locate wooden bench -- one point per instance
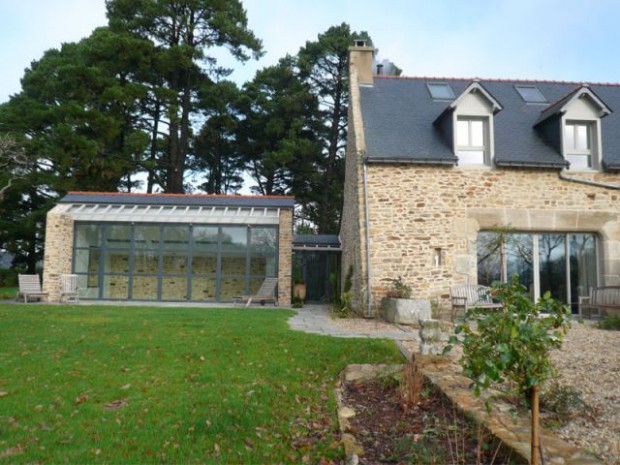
(601, 298)
(30, 286)
(466, 296)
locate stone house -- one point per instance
(472, 180)
(166, 247)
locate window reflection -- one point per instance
(173, 262)
(566, 263)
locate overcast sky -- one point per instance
(575, 40)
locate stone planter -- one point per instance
(405, 311)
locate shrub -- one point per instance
(611, 322)
(398, 288)
(513, 345)
(8, 277)
(566, 402)
(344, 308)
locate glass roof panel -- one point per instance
(531, 94)
(440, 90)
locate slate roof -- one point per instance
(205, 200)
(398, 116)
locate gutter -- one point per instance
(367, 227)
(410, 161)
(531, 164)
(588, 182)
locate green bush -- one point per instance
(344, 308)
(8, 277)
(513, 344)
(610, 322)
(566, 402)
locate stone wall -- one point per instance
(352, 230)
(58, 251)
(285, 256)
(417, 212)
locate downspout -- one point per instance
(367, 227)
(589, 182)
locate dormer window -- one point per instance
(578, 143)
(576, 119)
(470, 141)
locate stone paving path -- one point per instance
(318, 319)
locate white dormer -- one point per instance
(472, 123)
(579, 115)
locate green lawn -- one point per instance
(8, 293)
(82, 384)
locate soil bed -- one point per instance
(428, 432)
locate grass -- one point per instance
(169, 385)
(7, 293)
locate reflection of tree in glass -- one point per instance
(552, 252)
(263, 239)
(502, 253)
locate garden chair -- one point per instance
(69, 288)
(30, 286)
(466, 296)
(267, 292)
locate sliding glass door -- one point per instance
(563, 264)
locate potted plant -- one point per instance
(299, 288)
(398, 306)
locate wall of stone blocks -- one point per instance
(58, 251)
(352, 228)
(416, 211)
(285, 256)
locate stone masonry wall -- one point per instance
(285, 256)
(352, 230)
(58, 250)
(418, 211)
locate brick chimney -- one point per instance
(360, 61)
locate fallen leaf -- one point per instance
(81, 399)
(3, 393)
(116, 404)
(125, 386)
(18, 449)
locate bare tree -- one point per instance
(13, 160)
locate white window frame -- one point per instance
(571, 152)
(484, 148)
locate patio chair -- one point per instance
(30, 286)
(466, 296)
(267, 292)
(69, 288)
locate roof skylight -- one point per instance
(531, 94)
(440, 90)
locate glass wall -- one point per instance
(173, 262)
(563, 264)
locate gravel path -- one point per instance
(590, 361)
